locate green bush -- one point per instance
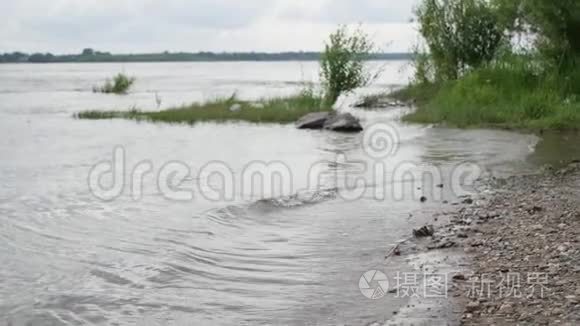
(342, 63)
(472, 75)
(459, 34)
(514, 93)
(555, 23)
(119, 85)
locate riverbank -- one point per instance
(507, 95)
(277, 110)
(521, 237)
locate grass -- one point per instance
(515, 94)
(277, 110)
(119, 85)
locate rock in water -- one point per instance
(344, 122)
(314, 120)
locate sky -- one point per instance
(132, 26)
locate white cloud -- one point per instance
(349, 11)
(192, 25)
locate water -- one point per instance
(69, 258)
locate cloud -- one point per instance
(190, 25)
(349, 11)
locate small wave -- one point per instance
(113, 278)
(297, 200)
(227, 216)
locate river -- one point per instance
(143, 257)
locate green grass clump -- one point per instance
(119, 85)
(372, 100)
(514, 94)
(276, 110)
(416, 93)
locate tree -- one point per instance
(41, 58)
(88, 52)
(342, 63)
(459, 34)
(556, 24)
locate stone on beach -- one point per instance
(423, 232)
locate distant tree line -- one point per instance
(90, 55)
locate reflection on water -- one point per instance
(556, 149)
(67, 258)
(501, 152)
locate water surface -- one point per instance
(68, 258)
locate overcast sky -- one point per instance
(68, 26)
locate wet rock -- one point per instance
(472, 306)
(468, 201)
(537, 227)
(426, 231)
(557, 311)
(506, 308)
(459, 277)
(344, 122)
(314, 120)
(447, 245)
(562, 248)
(442, 245)
(423, 199)
(535, 209)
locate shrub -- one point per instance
(459, 34)
(119, 85)
(342, 63)
(555, 26)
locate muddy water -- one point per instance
(291, 258)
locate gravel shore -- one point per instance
(522, 237)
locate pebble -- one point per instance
(526, 225)
(472, 306)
